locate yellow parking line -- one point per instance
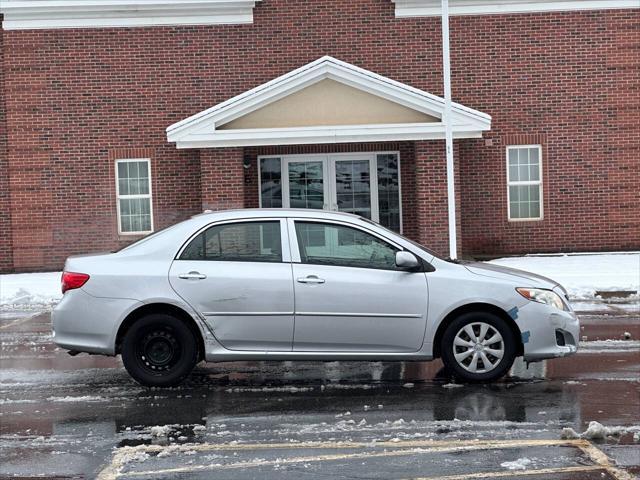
(18, 321)
(112, 471)
(598, 457)
(517, 473)
(487, 444)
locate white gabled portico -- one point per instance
(329, 91)
(292, 118)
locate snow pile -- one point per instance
(131, 454)
(519, 464)
(286, 389)
(583, 274)
(30, 290)
(452, 385)
(597, 431)
(161, 431)
(69, 399)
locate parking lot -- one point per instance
(83, 417)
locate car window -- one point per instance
(237, 242)
(331, 244)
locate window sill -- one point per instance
(524, 220)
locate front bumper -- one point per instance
(547, 332)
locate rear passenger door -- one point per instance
(237, 275)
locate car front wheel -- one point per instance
(159, 351)
(478, 347)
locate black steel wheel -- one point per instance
(159, 350)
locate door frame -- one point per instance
(328, 169)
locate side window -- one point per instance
(328, 244)
(237, 242)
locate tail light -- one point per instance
(71, 280)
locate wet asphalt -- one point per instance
(83, 417)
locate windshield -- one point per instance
(416, 244)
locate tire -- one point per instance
(459, 350)
(159, 351)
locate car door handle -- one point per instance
(310, 279)
(192, 276)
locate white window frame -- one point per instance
(145, 195)
(328, 163)
(538, 182)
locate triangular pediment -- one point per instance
(326, 101)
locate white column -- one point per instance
(451, 196)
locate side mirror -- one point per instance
(406, 260)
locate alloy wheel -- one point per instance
(478, 347)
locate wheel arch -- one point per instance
(165, 308)
(477, 307)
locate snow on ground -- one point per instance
(583, 274)
(519, 464)
(30, 290)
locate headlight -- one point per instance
(542, 296)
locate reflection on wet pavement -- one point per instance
(65, 416)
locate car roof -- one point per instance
(275, 212)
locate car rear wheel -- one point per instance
(159, 351)
(478, 347)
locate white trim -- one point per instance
(446, 80)
(44, 14)
(530, 182)
(328, 168)
(199, 130)
(431, 8)
(146, 195)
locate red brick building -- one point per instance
(126, 116)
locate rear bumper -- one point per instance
(547, 332)
(86, 323)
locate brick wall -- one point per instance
(75, 96)
(431, 199)
(568, 82)
(222, 178)
(6, 251)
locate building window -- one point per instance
(133, 190)
(524, 182)
(389, 190)
(270, 183)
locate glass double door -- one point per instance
(345, 183)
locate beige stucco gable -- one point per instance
(328, 102)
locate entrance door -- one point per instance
(344, 183)
(352, 181)
(305, 184)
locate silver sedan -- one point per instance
(303, 285)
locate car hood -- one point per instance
(512, 274)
